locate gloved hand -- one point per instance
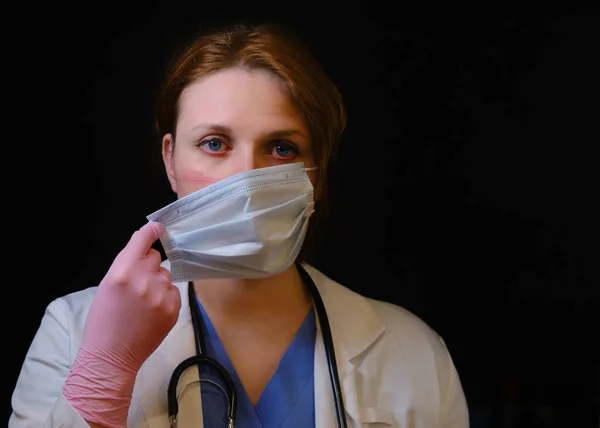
(135, 307)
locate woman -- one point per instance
(249, 122)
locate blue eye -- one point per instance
(283, 150)
(214, 145)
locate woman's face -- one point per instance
(234, 121)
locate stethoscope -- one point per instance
(229, 388)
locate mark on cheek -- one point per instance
(198, 178)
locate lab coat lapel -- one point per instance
(154, 377)
(354, 327)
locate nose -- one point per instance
(247, 160)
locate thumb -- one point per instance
(141, 241)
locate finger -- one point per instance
(165, 275)
(160, 279)
(153, 260)
(174, 301)
(141, 241)
(164, 294)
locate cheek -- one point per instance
(197, 177)
(191, 180)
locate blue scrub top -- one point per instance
(287, 400)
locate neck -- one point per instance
(255, 303)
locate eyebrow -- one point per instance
(224, 129)
(286, 133)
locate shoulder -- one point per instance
(395, 320)
(384, 332)
(403, 324)
(70, 310)
(75, 302)
(401, 360)
(412, 339)
(420, 359)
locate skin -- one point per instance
(234, 121)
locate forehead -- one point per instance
(238, 97)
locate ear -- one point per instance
(168, 155)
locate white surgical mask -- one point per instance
(249, 225)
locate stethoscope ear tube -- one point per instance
(328, 342)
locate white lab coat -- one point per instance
(394, 370)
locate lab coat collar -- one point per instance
(354, 327)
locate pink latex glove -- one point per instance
(135, 307)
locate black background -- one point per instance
(468, 176)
